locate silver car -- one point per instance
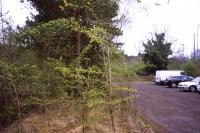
(193, 85)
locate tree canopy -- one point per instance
(81, 17)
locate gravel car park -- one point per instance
(172, 110)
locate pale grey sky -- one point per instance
(179, 18)
(17, 11)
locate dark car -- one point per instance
(173, 81)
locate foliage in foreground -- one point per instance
(25, 83)
(75, 118)
(45, 68)
(41, 66)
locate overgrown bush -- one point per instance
(123, 69)
(138, 68)
(191, 68)
(30, 81)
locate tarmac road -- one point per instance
(171, 109)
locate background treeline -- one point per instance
(135, 66)
(157, 55)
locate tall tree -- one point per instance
(157, 51)
(87, 13)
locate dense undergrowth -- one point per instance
(43, 96)
(27, 84)
(76, 117)
(56, 72)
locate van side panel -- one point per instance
(162, 75)
(157, 77)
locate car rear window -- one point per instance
(183, 73)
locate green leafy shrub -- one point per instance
(138, 68)
(43, 82)
(190, 68)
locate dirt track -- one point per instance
(171, 109)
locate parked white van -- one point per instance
(162, 75)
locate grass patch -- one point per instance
(77, 117)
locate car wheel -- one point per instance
(173, 85)
(182, 89)
(169, 85)
(193, 89)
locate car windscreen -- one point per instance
(196, 79)
(187, 78)
(183, 73)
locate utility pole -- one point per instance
(2, 23)
(194, 46)
(183, 55)
(183, 51)
(1, 13)
(197, 37)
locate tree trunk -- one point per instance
(77, 34)
(77, 43)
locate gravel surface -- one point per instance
(171, 109)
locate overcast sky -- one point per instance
(179, 18)
(16, 10)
